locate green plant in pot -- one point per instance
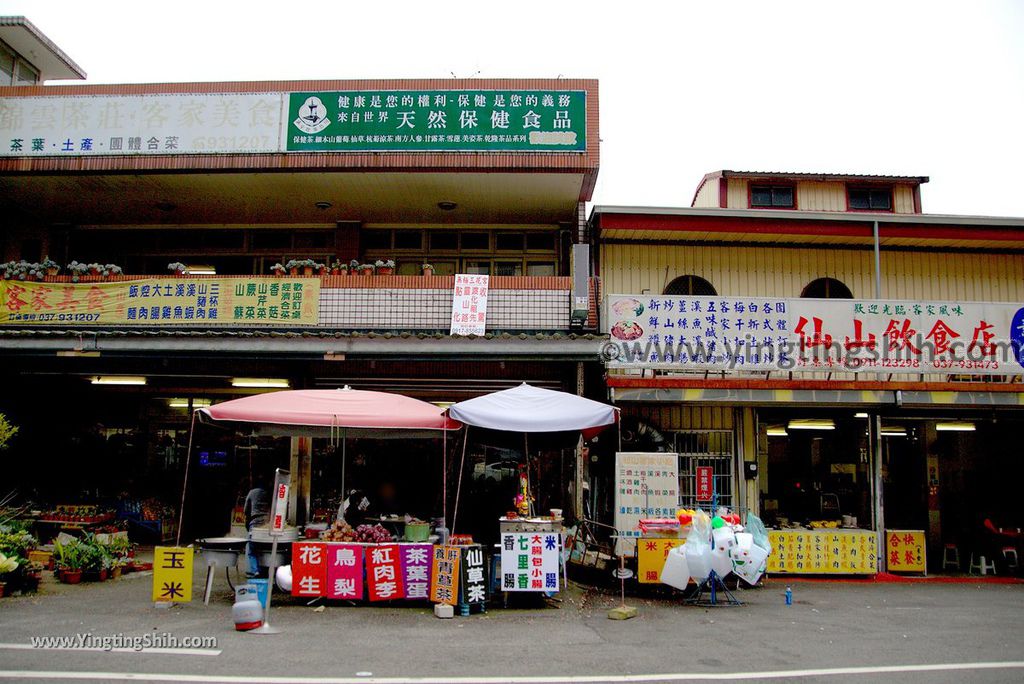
(8, 566)
(68, 561)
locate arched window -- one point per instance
(826, 288)
(691, 285)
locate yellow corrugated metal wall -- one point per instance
(784, 272)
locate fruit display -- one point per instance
(339, 531)
(372, 534)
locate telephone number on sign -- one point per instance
(965, 363)
(232, 142)
(60, 317)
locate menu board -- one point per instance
(530, 561)
(647, 486)
(444, 578)
(905, 551)
(823, 552)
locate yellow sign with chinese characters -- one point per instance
(172, 574)
(651, 555)
(823, 552)
(905, 551)
(228, 302)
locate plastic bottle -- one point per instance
(789, 596)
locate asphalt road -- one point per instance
(833, 631)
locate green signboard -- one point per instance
(438, 120)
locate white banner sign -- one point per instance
(814, 335)
(193, 123)
(469, 304)
(530, 561)
(646, 486)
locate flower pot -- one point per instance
(115, 572)
(71, 576)
(3, 586)
(385, 270)
(279, 274)
(51, 271)
(366, 272)
(104, 574)
(307, 270)
(293, 271)
(428, 271)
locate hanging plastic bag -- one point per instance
(760, 532)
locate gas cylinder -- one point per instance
(247, 611)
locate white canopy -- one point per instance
(532, 409)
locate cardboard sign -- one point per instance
(530, 561)
(416, 570)
(474, 582)
(705, 483)
(344, 571)
(651, 555)
(905, 551)
(309, 568)
(383, 573)
(444, 580)
(172, 574)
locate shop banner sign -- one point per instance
(309, 568)
(384, 572)
(814, 335)
(96, 125)
(823, 552)
(162, 302)
(344, 571)
(444, 576)
(172, 574)
(437, 121)
(530, 561)
(416, 570)
(651, 555)
(905, 551)
(469, 304)
(474, 583)
(646, 486)
(705, 483)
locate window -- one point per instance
(408, 239)
(6, 66)
(478, 267)
(826, 288)
(508, 268)
(376, 239)
(447, 241)
(777, 196)
(476, 241)
(540, 242)
(314, 239)
(870, 199)
(691, 285)
(540, 268)
(271, 239)
(508, 242)
(26, 74)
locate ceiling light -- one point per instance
(777, 431)
(259, 382)
(119, 380)
(812, 424)
(323, 206)
(893, 431)
(201, 269)
(955, 426)
(446, 205)
(860, 415)
(183, 403)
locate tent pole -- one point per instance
(184, 484)
(444, 475)
(344, 441)
(458, 488)
(529, 483)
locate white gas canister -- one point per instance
(247, 611)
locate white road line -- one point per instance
(574, 679)
(151, 651)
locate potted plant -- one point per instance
(385, 267)
(32, 575)
(111, 270)
(77, 270)
(95, 269)
(8, 564)
(319, 269)
(353, 266)
(69, 562)
(177, 268)
(50, 267)
(293, 266)
(278, 269)
(428, 269)
(366, 269)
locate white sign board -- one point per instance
(90, 125)
(469, 304)
(279, 503)
(814, 335)
(646, 486)
(530, 561)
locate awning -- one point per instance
(532, 409)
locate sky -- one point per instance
(929, 88)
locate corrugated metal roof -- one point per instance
(862, 217)
(821, 176)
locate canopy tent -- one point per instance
(334, 413)
(533, 409)
(529, 409)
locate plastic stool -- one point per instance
(951, 557)
(982, 566)
(1010, 556)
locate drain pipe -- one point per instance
(875, 437)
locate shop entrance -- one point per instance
(706, 448)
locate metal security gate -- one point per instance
(714, 448)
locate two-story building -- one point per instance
(195, 191)
(844, 355)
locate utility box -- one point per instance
(579, 265)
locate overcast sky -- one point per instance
(919, 88)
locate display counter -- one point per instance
(827, 551)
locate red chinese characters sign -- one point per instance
(344, 571)
(705, 483)
(309, 568)
(816, 335)
(469, 304)
(905, 551)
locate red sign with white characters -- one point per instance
(309, 568)
(384, 572)
(705, 483)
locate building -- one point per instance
(481, 177)
(920, 441)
